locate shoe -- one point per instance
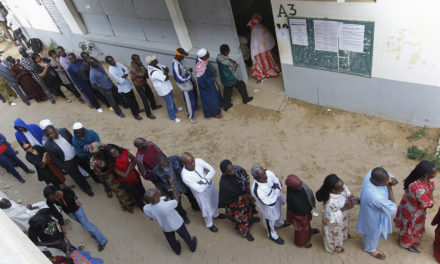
(138, 117)
(221, 216)
(226, 108)
(179, 109)
(151, 116)
(309, 245)
(52, 101)
(255, 220)
(81, 101)
(194, 241)
(68, 101)
(111, 109)
(30, 171)
(102, 246)
(192, 120)
(248, 100)
(284, 225)
(121, 115)
(179, 250)
(213, 229)
(99, 110)
(177, 120)
(413, 250)
(187, 221)
(13, 104)
(279, 241)
(249, 237)
(315, 231)
(89, 193)
(156, 107)
(22, 180)
(27, 103)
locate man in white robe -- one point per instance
(197, 174)
(266, 189)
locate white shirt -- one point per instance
(116, 72)
(164, 212)
(268, 199)
(157, 77)
(66, 147)
(32, 140)
(12, 22)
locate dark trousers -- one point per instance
(137, 190)
(20, 37)
(101, 97)
(85, 164)
(71, 167)
(2, 99)
(183, 233)
(73, 90)
(130, 100)
(111, 100)
(8, 159)
(241, 87)
(92, 97)
(118, 98)
(21, 92)
(191, 199)
(146, 93)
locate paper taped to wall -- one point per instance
(326, 35)
(299, 32)
(351, 37)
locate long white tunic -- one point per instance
(268, 199)
(206, 194)
(20, 215)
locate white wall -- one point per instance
(406, 40)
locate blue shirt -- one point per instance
(376, 209)
(79, 143)
(99, 77)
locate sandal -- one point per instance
(413, 250)
(378, 255)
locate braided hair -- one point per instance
(423, 168)
(323, 194)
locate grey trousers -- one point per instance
(108, 94)
(45, 89)
(24, 97)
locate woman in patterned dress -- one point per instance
(337, 201)
(98, 165)
(411, 213)
(235, 197)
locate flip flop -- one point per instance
(378, 255)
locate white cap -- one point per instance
(44, 123)
(202, 52)
(77, 125)
(149, 59)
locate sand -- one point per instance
(306, 140)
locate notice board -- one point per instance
(335, 45)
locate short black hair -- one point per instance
(134, 55)
(84, 53)
(71, 54)
(49, 190)
(224, 48)
(379, 175)
(107, 58)
(60, 47)
(48, 127)
(50, 52)
(34, 56)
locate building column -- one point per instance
(71, 16)
(179, 24)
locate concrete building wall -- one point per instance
(404, 84)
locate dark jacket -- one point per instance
(55, 152)
(160, 177)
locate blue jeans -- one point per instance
(80, 216)
(8, 159)
(171, 107)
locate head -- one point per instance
(224, 50)
(181, 54)
(5, 203)
(85, 56)
(152, 196)
(61, 51)
(93, 62)
(162, 161)
(259, 173)
(332, 184)
(96, 149)
(38, 221)
(21, 129)
(227, 168)
(10, 59)
(140, 143)
(424, 170)
(151, 60)
(36, 57)
(136, 59)
(110, 60)
(79, 130)
(72, 58)
(22, 52)
(27, 146)
(51, 132)
(114, 150)
(52, 53)
(51, 193)
(188, 161)
(380, 177)
(294, 182)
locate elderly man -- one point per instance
(197, 174)
(100, 81)
(377, 206)
(183, 76)
(146, 156)
(60, 149)
(161, 81)
(266, 189)
(168, 179)
(5, 73)
(120, 73)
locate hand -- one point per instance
(78, 203)
(44, 160)
(167, 70)
(276, 186)
(167, 78)
(392, 181)
(29, 206)
(206, 170)
(16, 152)
(245, 196)
(190, 70)
(348, 205)
(200, 182)
(354, 198)
(64, 231)
(125, 76)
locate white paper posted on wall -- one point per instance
(299, 32)
(351, 37)
(326, 35)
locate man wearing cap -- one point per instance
(60, 149)
(161, 81)
(183, 76)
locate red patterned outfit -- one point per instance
(411, 213)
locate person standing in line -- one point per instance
(7, 92)
(28, 64)
(31, 133)
(139, 77)
(229, 76)
(377, 206)
(161, 81)
(4, 26)
(85, 74)
(68, 201)
(6, 74)
(120, 73)
(206, 82)
(146, 156)
(163, 211)
(16, 30)
(197, 174)
(411, 212)
(266, 190)
(100, 80)
(183, 76)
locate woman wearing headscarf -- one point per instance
(262, 42)
(337, 201)
(235, 197)
(411, 213)
(106, 175)
(209, 95)
(300, 203)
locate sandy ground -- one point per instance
(304, 139)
